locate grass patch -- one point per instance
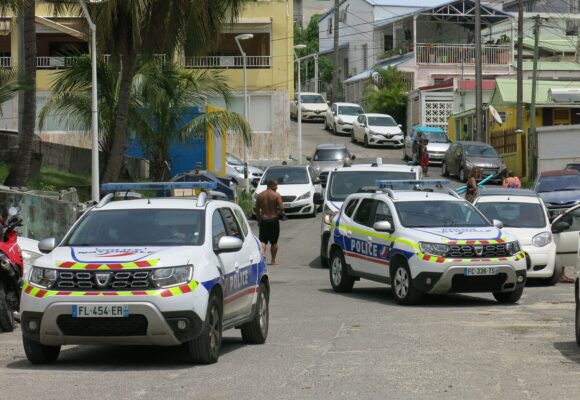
(53, 180)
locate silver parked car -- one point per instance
(436, 148)
(235, 171)
(328, 156)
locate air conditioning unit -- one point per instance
(564, 95)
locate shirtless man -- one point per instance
(269, 209)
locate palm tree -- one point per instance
(129, 28)
(166, 94)
(160, 97)
(389, 94)
(10, 84)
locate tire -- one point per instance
(462, 176)
(205, 348)
(366, 140)
(444, 171)
(340, 280)
(402, 285)
(509, 297)
(37, 353)
(7, 322)
(325, 125)
(577, 322)
(256, 331)
(556, 276)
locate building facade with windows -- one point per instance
(270, 72)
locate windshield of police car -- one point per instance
(344, 183)
(139, 227)
(514, 215)
(286, 176)
(439, 214)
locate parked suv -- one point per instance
(423, 241)
(173, 271)
(328, 156)
(559, 189)
(461, 157)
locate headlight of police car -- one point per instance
(542, 239)
(166, 277)
(303, 196)
(43, 277)
(512, 248)
(436, 249)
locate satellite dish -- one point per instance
(495, 115)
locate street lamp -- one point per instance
(299, 89)
(245, 36)
(95, 195)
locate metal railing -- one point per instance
(227, 62)
(437, 53)
(5, 62)
(54, 62)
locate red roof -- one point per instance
(560, 172)
(448, 83)
(469, 84)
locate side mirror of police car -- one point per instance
(497, 223)
(228, 244)
(318, 199)
(383, 226)
(47, 245)
(560, 226)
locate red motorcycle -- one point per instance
(11, 269)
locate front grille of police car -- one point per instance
(117, 280)
(477, 251)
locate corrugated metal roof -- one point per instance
(399, 3)
(553, 43)
(552, 66)
(391, 62)
(506, 91)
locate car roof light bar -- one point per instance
(122, 186)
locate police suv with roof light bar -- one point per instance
(348, 180)
(173, 271)
(422, 241)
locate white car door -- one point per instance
(362, 247)
(382, 241)
(566, 231)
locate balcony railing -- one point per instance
(54, 62)
(227, 62)
(5, 62)
(444, 54)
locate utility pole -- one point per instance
(336, 58)
(532, 135)
(520, 73)
(316, 88)
(478, 75)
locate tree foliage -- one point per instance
(389, 94)
(309, 37)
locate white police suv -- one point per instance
(159, 271)
(344, 181)
(423, 241)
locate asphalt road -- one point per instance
(324, 345)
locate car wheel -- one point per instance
(37, 353)
(7, 323)
(256, 331)
(325, 125)
(366, 140)
(205, 348)
(509, 297)
(444, 171)
(402, 285)
(577, 322)
(462, 176)
(340, 280)
(555, 276)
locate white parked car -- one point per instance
(345, 181)
(314, 106)
(167, 272)
(524, 216)
(235, 170)
(377, 130)
(340, 117)
(296, 185)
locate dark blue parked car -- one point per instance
(560, 190)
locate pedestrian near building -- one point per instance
(424, 161)
(269, 211)
(512, 181)
(472, 187)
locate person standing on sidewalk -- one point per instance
(269, 211)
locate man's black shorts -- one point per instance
(269, 231)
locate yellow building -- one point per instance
(270, 72)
